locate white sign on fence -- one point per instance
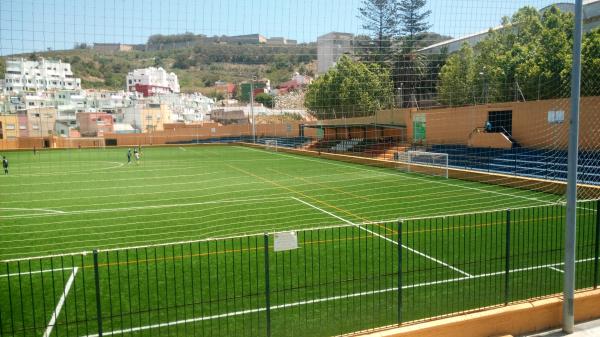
(556, 117)
(285, 241)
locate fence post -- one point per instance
(507, 260)
(400, 299)
(597, 244)
(267, 285)
(98, 300)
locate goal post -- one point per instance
(430, 163)
(271, 145)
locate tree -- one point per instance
(413, 21)
(264, 99)
(458, 77)
(529, 58)
(350, 89)
(591, 64)
(380, 17)
(410, 68)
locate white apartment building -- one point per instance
(152, 81)
(25, 75)
(330, 47)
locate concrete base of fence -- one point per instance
(512, 320)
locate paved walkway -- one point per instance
(587, 329)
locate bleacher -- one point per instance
(536, 163)
(346, 145)
(292, 142)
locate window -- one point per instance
(31, 103)
(10, 126)
(22, 127)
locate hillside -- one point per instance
(197, 67)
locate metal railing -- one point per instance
(338, 280)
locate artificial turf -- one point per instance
(341, 279)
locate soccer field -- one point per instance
(74, 200)
(357, 266)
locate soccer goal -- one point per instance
(271, 145)
(431, 163)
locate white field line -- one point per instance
(556, 269)
(319, 300)
(71, 172)
(109, 210)
(385, 238)
(60, 303)
(300, 157)
(44, 210)
(182, 148)
(34, 272)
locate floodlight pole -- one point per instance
(569, 284)
(252, 109)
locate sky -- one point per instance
(35, 25)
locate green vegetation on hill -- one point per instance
(197, 67)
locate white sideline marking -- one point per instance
(385, 238)
(45, 210)
(319, 300)
(26, 273)
(60, 303)
(182, 148)
(556, 269)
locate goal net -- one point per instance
(271, 145)
(430, 163)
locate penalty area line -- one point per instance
(60, 303)
(321, 300)
(460, 271)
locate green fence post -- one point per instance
(400, 273)
(267, 285)
(507, 260)
(597, 243)
(98, 300)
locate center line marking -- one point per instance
(385, 238)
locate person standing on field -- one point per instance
(5, 164)
(129, 156)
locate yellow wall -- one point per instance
(153, 119)
(514, 320)
(10, 126)
(530, 122)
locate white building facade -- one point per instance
(331, 47)
(25, 75)
(152, 81)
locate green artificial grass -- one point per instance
(342, 278)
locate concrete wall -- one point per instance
(192, 132)
(514, 320)
(530, 122)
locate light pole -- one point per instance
(571, 218)
(252, 109)
(484, 90)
